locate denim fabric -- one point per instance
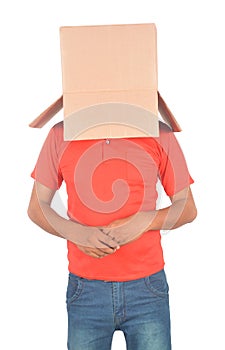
(139, 308)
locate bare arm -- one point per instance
(36, 213)
(181, 211)
(89, 239)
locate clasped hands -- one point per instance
(105, 240)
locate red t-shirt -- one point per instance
(111, 179)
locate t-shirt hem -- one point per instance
(121, 278)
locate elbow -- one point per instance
(191, 213)
(31, 212)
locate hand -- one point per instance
(130, 228)
(91, 238)
(96, 252)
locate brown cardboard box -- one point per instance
(110, 86)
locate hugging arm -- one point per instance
(91, 240)
(181, 211)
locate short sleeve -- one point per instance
(47, 168)
(173, 170)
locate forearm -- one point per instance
(41, 213)
(171, 217)
(47, 219)
(180, 212)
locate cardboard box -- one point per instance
(110, 83)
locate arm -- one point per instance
(89, 239)
(181, 211)
(40, 207)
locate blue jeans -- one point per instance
(139, 308)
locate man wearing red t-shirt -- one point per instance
(116, 267)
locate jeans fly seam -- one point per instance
(118, 304)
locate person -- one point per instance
(116, 278)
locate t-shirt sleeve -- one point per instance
(47, 168)
(173, 170)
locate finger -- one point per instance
(111, 244)
(99, 255)
(100, 240)
(105, 230)
(107, 251)
(95, 253)
(110, 240)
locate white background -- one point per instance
(33, 264)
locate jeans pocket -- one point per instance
(74, 288)
(157, 284)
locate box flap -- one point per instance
(47, 114)
(167, 115)
(55, 107)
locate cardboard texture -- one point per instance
(110, 87)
